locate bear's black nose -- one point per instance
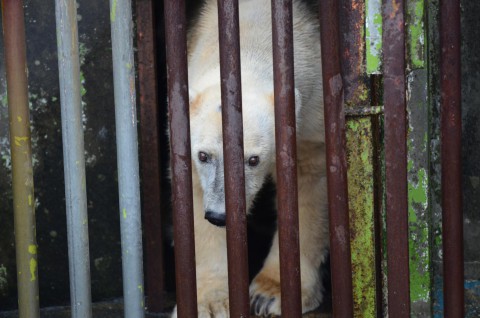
(215, 218)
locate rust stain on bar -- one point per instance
(182, 197)
(285, 143)
(340, 257)
(396, 159)
(233, 158)
(150, 164)
(451, 136)
(352, 50)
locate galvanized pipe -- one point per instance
(150, 159)
(232, 124)
(286, 153)
(22, 170)
(181, 164)
(340, 256)
(127, 156)
(396, 158)
(73, 157)
(451, 155)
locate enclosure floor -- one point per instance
(114, 309)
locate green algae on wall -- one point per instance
(415, 33)
(418, 194)
(373, 38)
(359, 134)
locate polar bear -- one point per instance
(259, 150)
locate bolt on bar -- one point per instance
(229, 41)
(182, 195)
(22, 170)
(73, 157)
(285, 138)
(340, 257)
(150, 164)
(127, 156)
(396, 158)
(451, 153)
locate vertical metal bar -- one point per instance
(150, 160)
(340, 257)
(127, 156)
(396, 158)
(232, 124)
(73, 157)
(286, 153)
(22, 170)
(182, 196)
(451, 134)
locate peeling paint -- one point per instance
(415, 33)
(373, 38)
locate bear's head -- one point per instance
(207, 145)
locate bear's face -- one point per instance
(207, 147)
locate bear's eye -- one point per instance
(203, 157)
(253, 161)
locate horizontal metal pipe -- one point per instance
(232, 124)
(451, 154)
(182, 196)
(73, 157)
(396, 158)
(22, 170)
(286, 154)
(150, 159)
(127, 156)
(340, 257)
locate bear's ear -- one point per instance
(298, 102)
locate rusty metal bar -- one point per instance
(451, 155)
(396, 158)
(340, 257)
(73, 158)
(21, 149)
(182, 196)
(286, 152)
(150, 159)
(232, 124)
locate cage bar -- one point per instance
(127, 156)
(22, 170)
(73, 157)
(340, 257)
(182, 196)
(286, 153)
(232, 125)
(451, 151)
(396, 159)
(150, 160)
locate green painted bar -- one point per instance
(415, 11)
(373, 35)
(360, 156)
(418, 194)
(22, 170)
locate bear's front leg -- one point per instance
(211, 263)
(314, 241)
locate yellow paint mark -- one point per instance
(19, 118)
(140, 287)
(32, 249)
(33, 269)
(124, 213)
(129, 66)
(30, 200)
(113, 11)
(20, 139)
